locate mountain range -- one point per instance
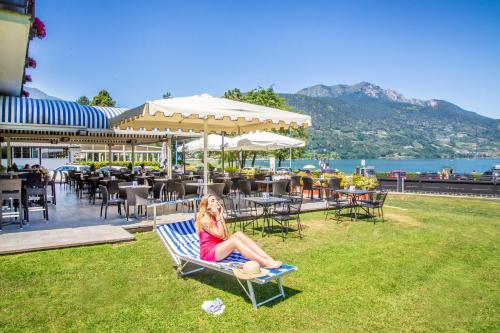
(366, 121)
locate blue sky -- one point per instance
(140, 49)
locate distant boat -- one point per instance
(309, 167)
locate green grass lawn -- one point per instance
(434, 265)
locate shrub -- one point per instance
(98, 165)
(231, 169)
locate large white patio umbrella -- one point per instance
(255, 141)
(263, 141)
(215, 142)
(204, 113)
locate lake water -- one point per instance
(414, 165)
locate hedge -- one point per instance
(98, 165)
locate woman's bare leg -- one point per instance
(252, 245)
(224, 249)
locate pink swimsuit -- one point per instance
(208, 244)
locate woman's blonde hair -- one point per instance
(202, 210)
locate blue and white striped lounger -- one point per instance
(182, 243)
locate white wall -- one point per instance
(48, 163)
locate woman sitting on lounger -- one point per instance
(216, 244)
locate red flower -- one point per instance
(39, 28)
(27, 78)
(30, 62)
(25, 93)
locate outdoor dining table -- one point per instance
(201, 187)
(161, 179)
(354, 196)
(266, 203)
(267, 182)
(143, 178)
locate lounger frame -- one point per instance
(181, 261)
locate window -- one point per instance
(26, 152)
(54, 152)
(16, 152)
(34, 152)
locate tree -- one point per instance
(267, 97)
(103, 99)
(167, 95)
(83, 100)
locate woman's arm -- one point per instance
(217, 230)
(219, 217)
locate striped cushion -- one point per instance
(182, 237)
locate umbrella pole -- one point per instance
(184, 156)
(290, 150)
(222, 149)
(110, 158)
(132, 148)
(205, 154)
(168, 144)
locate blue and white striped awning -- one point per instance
(22, 110)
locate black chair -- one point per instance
(216, 189)
(333, 183)
(52, 184)
(108, 200)
(227, 187)
(137, 197)
(190, 189)
(289, 212)
(376, 203)
(158, 192)
(308, 185)
(122, 192)
(336, 203)
(170, 189)
(280, 188)
(35, 200)
(243, 212)
(181, 195)
(11, 193)
(246, 187)
(295, 184)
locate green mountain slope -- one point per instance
(366, 121)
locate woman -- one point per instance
(215, 242)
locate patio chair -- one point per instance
(235, 184)
(336, 204)
(158, 192)
(183, 245)
(35, 200)
(254, 187)
(376, 203)
(64, 180)
(170, 189)
(246, 187)
(295, 184)
(137, 197)
(52, 184)
(289, 212)
(308, 185)
(280, 188)
(11, 193)
(246, 213)
(227, 187)
(184, 198)
(216, 189)
(107, 201)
